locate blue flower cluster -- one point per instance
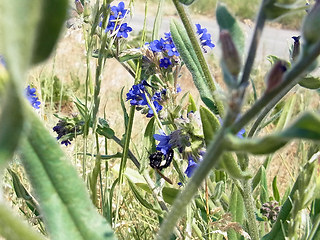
(164, 45)
(30, 94)
(115, 24)
(61, 129)
(137, 97)
(205, 37)
(192, 166)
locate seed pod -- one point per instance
(186, 2)
(275, 76)
(310, 27)
(296, 48)
(230, 53)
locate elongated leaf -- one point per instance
(63, 197)
(264, 195)
(275, 190)
(142, 199)
(228, 22)
(148, 144)
(274, 10)
(187, 52)
(306, 127)
(157, 21)
(236, 208)
(310, 82)
(53, 15)
(13, 228)
(170, 194)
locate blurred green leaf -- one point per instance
(274, 9)
(13, 228)
(227, 22)
(306, 127)
(64, 200)
(310, 82)
(53, 15)
(236, 208)
(148, 144)
(186, 2)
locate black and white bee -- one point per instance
(160, 161)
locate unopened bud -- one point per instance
(79, 6)
(186, 2)
(86, 9)
(311, 25)
(230, 54)
(275, 76)
(296, 48)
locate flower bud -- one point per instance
(310, 27)
(79, 6)
(274, 78)
(230, 54)
(186, 2)
(296, 48)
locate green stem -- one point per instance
(289, 80)
(261, 18)
(179, 206)
(195, 43)
(250, 209)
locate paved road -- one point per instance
(273, 41)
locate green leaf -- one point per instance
(63, 197)
(210, 124)
(306, 127)
(310, 82)
(142, 199)
(125, 113)
(11, 119)
(148, 144)
(264, 195)
(188, 54)
(18, 25)
(236, 208)
(157, 21)
(13, 228)
(275, 190)
(53, 16)
(274, 10)
(192, 105)
(227, 22)
(170, 194)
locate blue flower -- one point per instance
(205, 37)
(123, 30)
(164, 142)
(192, 166)
(165, 62)
(156, 45)
(118, 13)
(137, 97)
(157, 106)
(30, 93)
(2, 61)
(241, 132)
(178, 88)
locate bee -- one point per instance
(159, 161)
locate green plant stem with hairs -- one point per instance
(195, 43)
(216, 148)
